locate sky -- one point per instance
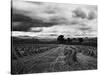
(49, 20)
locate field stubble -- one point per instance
(53, 58)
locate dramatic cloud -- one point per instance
(79, 13)
(52, 19)
(92, 15)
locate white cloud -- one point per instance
(46, 11)
(70, 18)
(67, 31)
(36, 29)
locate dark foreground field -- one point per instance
(39, 58)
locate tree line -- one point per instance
(61, 39)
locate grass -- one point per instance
(41, 58)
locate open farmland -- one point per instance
(22, 50)
(37, 58)
(53, 37)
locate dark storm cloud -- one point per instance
(25, 26)
(91, 15)
(85, 29)
(27, 17)
(53, 35)
(78, 13)
(20, 18)
(49, 13)
(60, 18)
(24, 23)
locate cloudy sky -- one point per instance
(48, 20)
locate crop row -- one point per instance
(21, 51)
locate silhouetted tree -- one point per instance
(74, 38)
(80, 40)
(69, 40)
(61, 39)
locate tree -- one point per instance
(61, 39)
(80, 40)
(69, 40)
